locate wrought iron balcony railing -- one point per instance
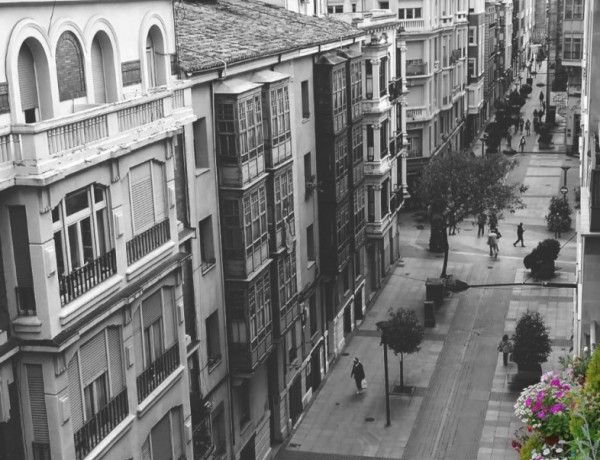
(82, 279)
(146, 242)
(157, 372)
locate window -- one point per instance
(370, 143)
(341, 166)
(147, 189)
(308, 175)
(384, 5)
(103, 69)
(383, 138)
(312, 307)
(369, 78)
(255, 224)
(357, 152)
(292, 349)
(371, 203)
(81, 229)
(22, 259)
(357, 264)
(243, 397)
(207, 248)
(181, 188)
(472, 33)
(305, 100)
(573, 48)
(471, 69)
(165, 441)
(342, 223)
(335, 9)
(286, 270)
(156, 54)
(573, 9)
(28, 84)
(410, 13)
(359, 210)
(385, 197)
(280, 115)
(250, 127)
(213, 340)
(310, 243)
(155, 328)
(346, 279)
(354, 7)
(339, 98)
(200, 143)
(258, 302)
(96, 395)
(284, 206)
(356, 88)
(383, 76)
(69, 67)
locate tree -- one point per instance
(541, 260)
(559, 215)
(403, 334)
(457, 185)
(531, 343)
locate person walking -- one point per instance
(509, 140)
(358, 373)
(557, 223)
(521, 124)
(481, 221)
(520, 235)
(522, 143)
(528, 127)
(541, 97)
(505, 346)
(493, 243)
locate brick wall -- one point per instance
(69, 68)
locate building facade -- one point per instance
(94, 241)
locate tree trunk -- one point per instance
(438, 232)
(446, 250)
(401, 371)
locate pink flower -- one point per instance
(555, 382)
(541, 413)
(537, 406)
(559, 394)
(528, 402)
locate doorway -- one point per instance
(347, 320)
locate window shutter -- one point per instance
(161, 440)
(152, 308)
(142, 203)
(176, 422)
(93, 358)
(98, 73)
(158, 186)
(138, 338)
(115, 357)
(37, 402)
(169, 317)
(75, 394)
(27, 82)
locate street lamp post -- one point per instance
(383, 326)
(564, 189)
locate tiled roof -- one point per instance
(210, 32)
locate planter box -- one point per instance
(434, 290)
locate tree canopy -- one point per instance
(404, 333)
(457, 185)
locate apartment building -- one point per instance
(565, 53)
(523, 23)
(95, 240)
(587, 314)
(539, 32)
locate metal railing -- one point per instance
(77, 134)
(100, 425)
(139, 115)
(82, 279)
(157, 372)
(25, 301)
(416, 68)
(148, 241)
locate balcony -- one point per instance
(360, 235)
(100, 425)
(82, 279)
(395, 90)
(245, 357)
(416, 67)
(157, 372)
(288, 313)
(416, 113)
(46, 145)
(412, 25)
(25, 301)
(146, 242)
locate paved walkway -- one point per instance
(461, 406)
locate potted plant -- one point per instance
(541, 260)
(559, 215)
(531, 346)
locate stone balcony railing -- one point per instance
(102, 126)
(416, 113)
(411, 25)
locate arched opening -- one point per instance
(155, 58)
(103, 69)
(70, 70)
(34, 82)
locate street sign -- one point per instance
(564, 189)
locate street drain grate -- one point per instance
(369, 419)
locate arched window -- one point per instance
(28, 85)
(156, 56)
(69, 68)
(103, 69)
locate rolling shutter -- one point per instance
(98, 73)
(115, 359)
(142, 197)
(152, 308)
(27, 82)
(20, 242)
(75, 394)
(169, 317)
(93, 358)
(161, 440)
(37, 402)
(158, 187)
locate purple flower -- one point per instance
(528, 402)
(537, 406)
(559, 394)
(541, 413)
(556, 408)
(555, 382)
